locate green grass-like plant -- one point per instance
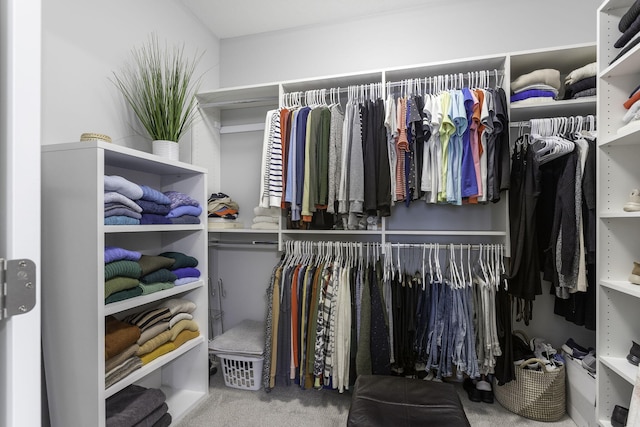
(159, 86)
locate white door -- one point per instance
(20, 357)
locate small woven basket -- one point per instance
(537, 395)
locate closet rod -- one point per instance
(474, 246)
(527, 123)
(249, 243)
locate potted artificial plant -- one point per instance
(159, 86)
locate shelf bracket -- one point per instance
(18, 287)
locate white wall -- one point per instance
(421, 35)
(84, 41)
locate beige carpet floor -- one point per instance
(293, 407)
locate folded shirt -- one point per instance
(579, 86)
(115, 197)
(532, 93)
(121, 220)
(185, 280)
(629, 16)
(547, 76)
(186, 272)
(150, 263)
(583, 72)
(162, 275)
(122, 267)
(180, 199)
(153, 195)
(123, 186)
(119, 283)
(181, 260)
(185, 219)
(147, 206)
(115, 253)
(629, 33)
(149, 218)
(585, 93)
(184, 210)
(539, 86)
(122, 212)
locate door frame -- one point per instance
(20, 140)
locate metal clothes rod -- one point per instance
(249, 243)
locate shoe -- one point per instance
(589, 362)
(472, 391)
(574, 350)
(634, 277)
(545, 352)
(633, 205)
(485, 390)
(619, 416)
(634, 354)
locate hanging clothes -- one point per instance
(336, 311)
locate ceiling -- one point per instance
(228, 18)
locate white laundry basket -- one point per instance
(240, 350)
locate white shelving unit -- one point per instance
(239, 115)
(73, 318)
(618, 303)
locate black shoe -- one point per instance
(619, 416)
(485, 390)
(634, 354)
(472, 391)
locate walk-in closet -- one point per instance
(392, 202)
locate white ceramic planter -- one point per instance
(167, 149)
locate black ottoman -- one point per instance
(396, 401)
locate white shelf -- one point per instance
(242, 231)
(629, 63)
(625, 287)
(445, 233)
(333, 232)
(120, 306)
(619, 214)
(622, 367)
(154, 365)
(580, 106)
(629, 136)
(152, 227)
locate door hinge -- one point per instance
(18, 286)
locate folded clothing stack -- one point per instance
(184, 209)
(266, 218)
(135, 405)
(120, 196)
(127, 203)
(537, 86)
(128, 274)
(629, 26)
(220, 205)
(581, 82)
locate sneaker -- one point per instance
(634, 277)
(633, 205)
(634, 354)
(574, 349)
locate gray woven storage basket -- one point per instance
(537, 395)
